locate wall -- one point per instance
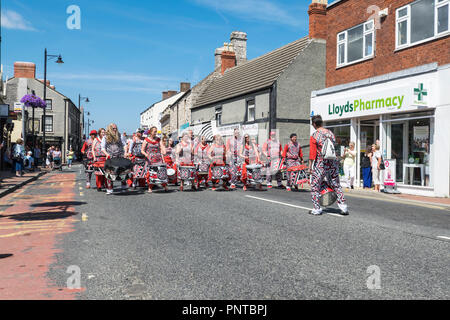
(350, 13)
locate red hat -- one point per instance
(93, 132)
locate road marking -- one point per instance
(84, 217)
(411, 203)
(81, 194)
(444, 237)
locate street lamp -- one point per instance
(58, 61)
(85, 99)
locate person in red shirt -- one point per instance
(233, 147)
(293, 156)
(218, 157)
(86, 150)
(202, 161)
(321, 168)
(99, 159)
(272, 151)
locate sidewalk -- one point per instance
(445, 202)
(10, 183)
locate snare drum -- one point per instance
(203, 168)
(254, 173)
(171, 172)
(301, 174)
(158, 173)
(187, 173)
(219, 173)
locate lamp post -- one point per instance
(59, 61)
(85, 99)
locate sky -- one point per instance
(127, 52)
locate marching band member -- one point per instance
(153, 149)
(218, 157)
(272, 151)
(138, 159)
(232, 148)
(293, 155)
(202, 160)
(185, 155)
(99, 159)
(86, 150)
(113, 147)
(249, 154)
(169, 159)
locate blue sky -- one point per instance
(128, 51)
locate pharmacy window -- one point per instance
(356, 44)
(421, 21)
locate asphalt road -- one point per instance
(252, 245)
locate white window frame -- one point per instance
(437, 4)
(251, 104)
(345, 42)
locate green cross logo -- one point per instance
(420, 92)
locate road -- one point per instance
(235, 245)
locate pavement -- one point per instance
(217, 245)
(9, 182)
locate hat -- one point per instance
(93, 132)
(140, 130)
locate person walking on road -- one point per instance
(272, 151)
(86, 150)
(99, 159)
(233, 147)
(320, 167)
(293, 156)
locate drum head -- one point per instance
(170, 172)
(328, 198)
(254, 166)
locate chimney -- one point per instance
(228, 60)
(42, 80)
(218, 58)
(239, 41)
(165, 95)
(317, 19)
(185, 86)
(171, 93)
(52, 87)
(24, 70)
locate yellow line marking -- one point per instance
(84, 217)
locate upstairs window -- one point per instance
(219, 116)
(250, 110)
(49, 104)
(356, 44)
(421, 21)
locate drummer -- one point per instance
(202, 161)
(185, 155)
(153, 149)
(169, 158)
(87, 152)
(293, 157)
(218, 157)
(249, 154)
(139, 168)
(113, 147)
(99, 159)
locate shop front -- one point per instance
(407, 113)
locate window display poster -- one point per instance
(389, 173)
(421, 135)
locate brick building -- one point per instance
(387, 79)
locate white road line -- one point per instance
(443, 237)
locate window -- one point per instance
(421, 21)
(250, 110)
(356, 44)
(219, 116)
(48, 102)
(48, 123)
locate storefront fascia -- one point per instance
(410, 116)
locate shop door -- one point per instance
(397, 148)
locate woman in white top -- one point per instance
(349, 164)
(376, 171)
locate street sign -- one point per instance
(18, 107)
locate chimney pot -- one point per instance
(185, 86)
(24, 70)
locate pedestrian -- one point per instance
(113, 147)
(367, 168)
(233, 160)
(86, 151)
(99, 160)
(293, 156)
(272, 151)
(37, 156)
(324, 164)
(349, 164)
(376, 170)
(18, 156)
(29, 161)
(70, 156)
(153, 150)
(217, 156)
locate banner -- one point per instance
(390, 172)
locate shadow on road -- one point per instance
(59, 204)
(6, 255)
(40, 216)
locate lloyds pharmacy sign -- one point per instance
(389, 100)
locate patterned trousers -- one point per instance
(291, 176)
(270, 176)
(234, 172)
(322, 169)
